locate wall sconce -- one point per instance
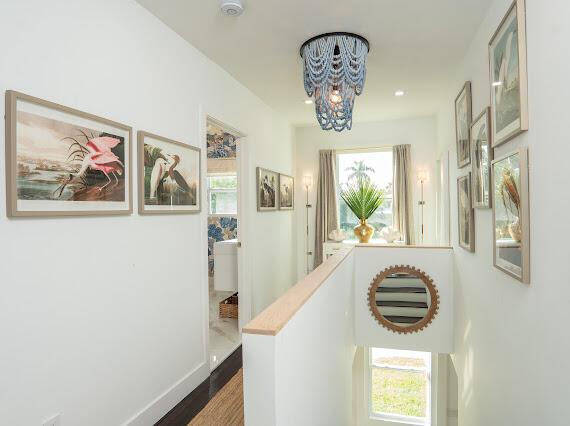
(423, 176)
(308, 183)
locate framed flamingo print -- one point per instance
(64, 162)
(169, 176)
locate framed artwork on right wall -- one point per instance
(481, 156)
(465, 214)
(511, 248)
(463, 116)
(508, 76)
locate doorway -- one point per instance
(224, 190)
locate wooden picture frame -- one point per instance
(267, 187)
(508, 75)
(481, 157)
(465, 213)
(169, 175)
(286, 195)
(64, 162)
(417, 273)
(463, 118)
(511, 237)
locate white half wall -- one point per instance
(435, 262)
(303, 375)
(420, 133)
(102, 319)
(511, 338)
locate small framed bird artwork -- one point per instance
(169, 176)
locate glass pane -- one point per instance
(223, 182)
(223, 202)
(399, 392)
(399, 358)
(376, 166)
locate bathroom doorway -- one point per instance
(224, 190)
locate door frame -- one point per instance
(244, 268)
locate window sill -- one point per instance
(396, 421)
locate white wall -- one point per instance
(99, 316)
(435, 262)
(511, 338)
(419, 132)
(303, 375)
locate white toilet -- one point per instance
(225, 266)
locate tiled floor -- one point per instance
(224, 334)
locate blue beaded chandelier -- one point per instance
(334, 69)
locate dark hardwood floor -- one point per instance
(190, 406)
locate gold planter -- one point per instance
(363, 231)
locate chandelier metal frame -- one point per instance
(334, 72)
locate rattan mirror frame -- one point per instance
(434, 296)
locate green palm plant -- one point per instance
(363, 198)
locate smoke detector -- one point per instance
(231, 7)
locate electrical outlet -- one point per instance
(53, 421)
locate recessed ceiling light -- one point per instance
(399, 93)
(308, 101)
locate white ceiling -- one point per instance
(415, 45)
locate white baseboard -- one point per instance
(165, 402)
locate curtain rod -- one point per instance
(365, 149)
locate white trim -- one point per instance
(385, 148)
(167, 400)
(244, 263)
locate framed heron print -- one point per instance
(267, 189)
(508, 75)
(169, 176)
(481, 156)
(511, 248)
(286, 192)
(462, 122)
(64, 162)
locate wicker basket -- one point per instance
(229, 307)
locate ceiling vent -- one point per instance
(231, 7)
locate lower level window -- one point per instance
(400, 386)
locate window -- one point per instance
(400, 386)
(222, 194)
(373, 165)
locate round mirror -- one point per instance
(403, 299)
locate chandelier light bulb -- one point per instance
(335, 97)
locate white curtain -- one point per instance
(403, 213)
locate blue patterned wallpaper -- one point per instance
(221, 144)
(219, 229)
